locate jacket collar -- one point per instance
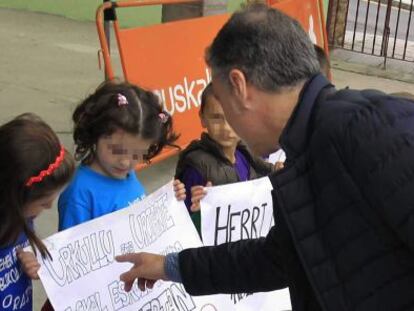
(210, 145)
(295, 135)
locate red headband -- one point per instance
(52, 167)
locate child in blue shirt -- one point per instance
(34, 167)
(117, 127)
(95, 195)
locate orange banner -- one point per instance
(308, 13)
(169, 59)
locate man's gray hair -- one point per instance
(270, 48)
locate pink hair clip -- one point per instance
(163, 117)
(122, 100)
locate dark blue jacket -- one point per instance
(344, 210)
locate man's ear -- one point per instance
(203, 121)
(238, 83)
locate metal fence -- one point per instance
(381, 28)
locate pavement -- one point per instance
(364, 36)
(49, 63)
(373, 66)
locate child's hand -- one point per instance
(179, 190)
(29, 262)
(197, 194)
(279, 165)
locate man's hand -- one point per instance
(148, 268)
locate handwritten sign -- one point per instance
(237, 212)
(84, 275)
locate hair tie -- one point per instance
(52, 167)
(122, 100)
(163, 117)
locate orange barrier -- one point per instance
(169, 58)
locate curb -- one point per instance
(372, 70)
(395, 3)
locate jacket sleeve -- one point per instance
(376, 144)
(264, 168)
(239, 267)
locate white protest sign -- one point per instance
(241, 211)
(84, 275)
(278, 156)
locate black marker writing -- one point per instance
(235, 298)
(90, 303)
(149, 225)
(233, 226)
(173, 298)
(81, 257)
(121, 299)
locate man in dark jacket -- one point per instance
(344, 203)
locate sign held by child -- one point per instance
(84, 275)
(242, 211)
(229, 218)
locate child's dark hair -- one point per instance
(120, 105)
(208, 91)
(27, 147)
(323, 60)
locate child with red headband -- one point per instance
(34, 168)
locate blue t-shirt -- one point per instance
(91, 195)
(15, 285)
